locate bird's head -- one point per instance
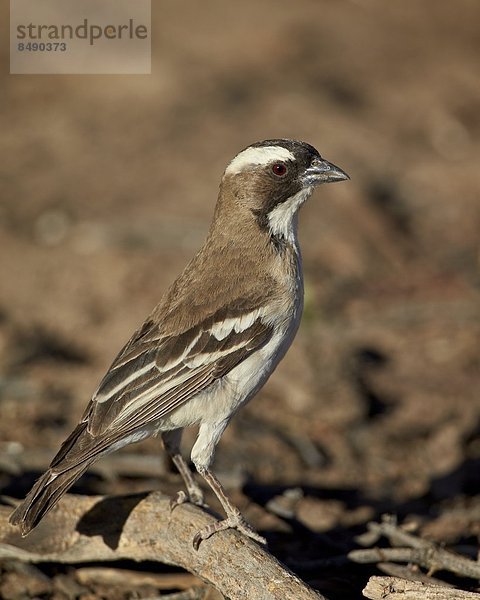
(273, 178)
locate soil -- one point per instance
(107, 186)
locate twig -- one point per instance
(125, 577)
(427, 554)
(414, 550)
(393, 588)
(410, 572)
(141, 527)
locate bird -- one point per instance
(211, 342)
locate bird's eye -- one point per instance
(280, 169)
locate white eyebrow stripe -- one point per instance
(257, 156)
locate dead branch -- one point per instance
(126, 577)
(410, 572)
(141, 527)
(190, 586)
(420, 551)
(408, 548)
(430, 557)
(393, 588)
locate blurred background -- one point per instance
(107, 187)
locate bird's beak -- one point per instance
(322, 171)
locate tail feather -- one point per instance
(43, 496)
(76, 454)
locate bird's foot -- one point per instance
(194, 496)
(233, 521)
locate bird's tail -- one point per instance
(78, 451)
(43, 496)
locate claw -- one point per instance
(193, 498)
(179, 499)
(196, 497)
(233, 522)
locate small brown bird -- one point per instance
(214, 338)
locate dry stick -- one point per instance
(126, 577)
(393, 588)
(142, 527)
(191, 586)
(433, 559)
(427, 554)
(419, 551)
(410, 572)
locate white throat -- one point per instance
(282, 220)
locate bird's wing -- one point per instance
(155, 374)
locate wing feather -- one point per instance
(154, 375)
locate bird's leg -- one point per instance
(171, 442)
(194, 491)
(234, 520)
(202, 457)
